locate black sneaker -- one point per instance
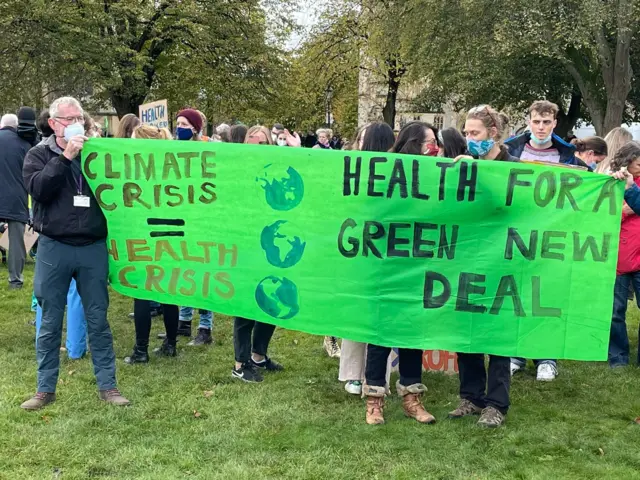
(166, 350)
(184, 328)
(268, 364)
(138, 356)
(247, 373)
(203, 338)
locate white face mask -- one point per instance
(73, 130)
(282, 143)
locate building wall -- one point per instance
(372, 92)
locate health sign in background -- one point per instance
(479, 256)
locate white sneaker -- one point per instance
(354, 387)
(515, 367)
(331, 347)
(546, 372)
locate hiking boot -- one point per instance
(331, 347)
(547, 372)
(247, 373)
(114, 397)
(268, 364)
(375, 404)
(38, 401)
(166, 349)
(411, 402)
(184, 329)
(202, 338)
(465, 408)
(491, 418)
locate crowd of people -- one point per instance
(40, 161)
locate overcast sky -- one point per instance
(305, 17)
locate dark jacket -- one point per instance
(52, 181)
(566, 150)
(13, 194)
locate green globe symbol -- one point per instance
(283, 190)
(278, 297)
(283, 247)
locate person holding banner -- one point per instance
(142, 308)
(484, 393)
(628, 269)
(251, 338)
(72, 245)
(415, 138)
(372, 137)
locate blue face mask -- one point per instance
(479, 148)
(184, 133)
(73, 130)
(537, 141)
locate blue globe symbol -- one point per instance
(278, 297)
(283, 190)
(281, 244)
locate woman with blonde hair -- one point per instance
(615, 139)
(484, 391)
(142, 308)
(324, 136)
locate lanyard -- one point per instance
(79, 183)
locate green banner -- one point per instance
(479, 256)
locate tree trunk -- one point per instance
(566, 121)
(389, 110)
(124, 103)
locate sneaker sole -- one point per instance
(237, 377)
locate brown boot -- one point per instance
(39, 400)
(114, 397)
(411, 402)
(375, 404)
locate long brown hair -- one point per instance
(490, 118)
(615, 139)
(127, 124)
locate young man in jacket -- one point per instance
(542, 145)
(72, 244)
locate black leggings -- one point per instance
(142, 320)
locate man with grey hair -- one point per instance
(72, 244)
(17, 136)
(9, 120)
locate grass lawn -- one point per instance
(189, 419)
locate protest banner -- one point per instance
(476, 256)
(155, 114)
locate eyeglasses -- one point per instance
(71, 119)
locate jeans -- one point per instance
(410, 366)
(76, 324)
(206, 317)
(242, 343)
(56, 265)
(17, 252)
(618, 338)
(473, 380)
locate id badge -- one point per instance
(81, 201)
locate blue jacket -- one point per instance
(566, 150)
(632, 197)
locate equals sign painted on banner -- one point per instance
(173, 222)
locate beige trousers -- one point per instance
(353, 360)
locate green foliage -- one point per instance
(213, 54)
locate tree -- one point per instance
(214, 52)
(591, 39)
